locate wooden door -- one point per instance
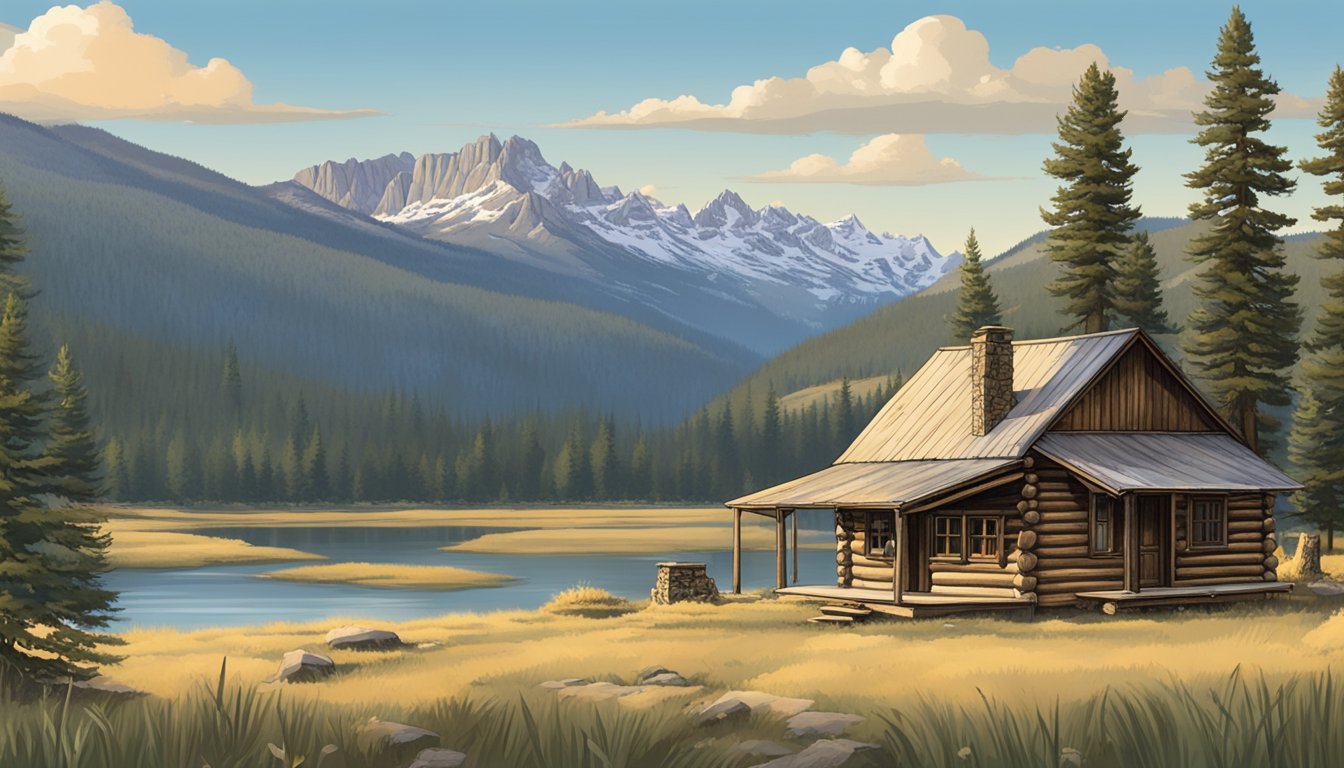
(1154, 540)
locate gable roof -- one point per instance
(1164, 461)
(930, 417)
(879, 484)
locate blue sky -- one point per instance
(446, 72)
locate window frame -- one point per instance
(964, 555)
(1205, 545)
(1113, 526)
(869, 517)
(971, 538)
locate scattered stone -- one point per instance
(1326, 588)
(1070, 758)
(362, 639)
(383, 734)
(826, 753)
(439, 758)
(767, 704)
(426, 646)
(653, 671)
(597, 691)
(964, 753)
(667, 678)
(682, 582)
(821, 723)
(106, 685)
(302, 667)
(723, 711)
(762, 748)
(566, 683)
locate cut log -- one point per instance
(1308, 557)
(1024, 583)
(973, 591)
(1044, 552)
(1231, 571)
(1031, 478)
(1074, 587)
(1028, 462)
(1197, 559)
(1269, 546)
(872, 574)
(1031, 517)
(1083, 574)
(1026, 540)
(1271, 563)
(1029, 491)
(1047, 528)
(1268, 525)
(1061, 540)
(1002, 580)
(1026, 562)
(1022, 507)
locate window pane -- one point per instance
(1208, 522)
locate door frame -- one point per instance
(1165, 527)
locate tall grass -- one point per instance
(1242, 721)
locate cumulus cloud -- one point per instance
(935, 78)
(889, 160)
(77, 63)
(7, 34)
(649, 190)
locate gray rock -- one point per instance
(724, 711)
(821, 723)
(827, 753)
(439, 758)
(301, 666)
(106, 685)
(1326, 588)
(597, 691)
(1070, 758)
(381, 734)
(667, 678)
(654, 671)
(767, 704)
(568, 682)
(762, 748)
(362, 639)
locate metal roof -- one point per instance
(1166, 461)
(930, 417)
(878, 484)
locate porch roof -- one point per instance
(888, 484)
(1138, 461)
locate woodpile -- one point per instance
(683, 582)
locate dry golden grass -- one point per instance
(764, 644)
(590, 602)
(1290, 569)
(160, 549)
(391, 575)
(640, 541)
(159, 518)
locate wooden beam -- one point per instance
(780, 544)
(737, 551)
(793, 545)
(898, 557)
(1130, 581)
(938, 501)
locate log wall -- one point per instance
(1064, 565)
(1249, 554)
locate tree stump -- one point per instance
(1308, 557)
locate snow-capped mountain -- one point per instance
(503, 197)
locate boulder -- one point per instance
(362, 639)
(301, 666)
(827, 753)
(767, 704)
(653, 671)
(378, 734)
(568, 682)
(597, 691)
(1326, 588)
(439, 758)
(666, 678)
(762, 748)
(821, 724)
(1070, 758)
(109, 687)
(723, 711)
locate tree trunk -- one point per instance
(1329, 537)
(1308, 557)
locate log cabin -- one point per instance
(1007, 475)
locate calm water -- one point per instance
(233, 595)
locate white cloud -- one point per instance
(77, 63)
(888, 160)
(649, 190)
(935, 78)
(7, 34)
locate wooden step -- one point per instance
(828, 619)
(855, 611)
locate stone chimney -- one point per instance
(991, 377)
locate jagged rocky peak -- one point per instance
(355, 184)
(726, 210)
(777, 217)
(632, 208)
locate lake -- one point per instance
(233, 595)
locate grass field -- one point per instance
(388, 575)
(133, 548)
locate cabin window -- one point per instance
(947, 536)
(878, 534)
(986, 535)
(1208, 522)
(1105, 525)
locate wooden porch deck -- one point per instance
(1116, 600)
(913, 605)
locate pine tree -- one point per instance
(1138, 288)
(76, 476)
(13, 251)
(573, 472)
(641, 470)
(317, 484)
(531, 463)
(771, 448)
(1316, 444)
(291, 471)
(232, 382)
(977, 306)
(606, 465)
(1092, 212)
(846, 425)
(182, 469)
(1244, 331)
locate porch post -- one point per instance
(1131, 575)
(781, 576)
(898, 557)
(737, 551)
(793, 544)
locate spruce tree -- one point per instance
(606, 465)
(1316, 444)
(1092, 213)
(977, 306)
(1243, 333)
(1138, 288)
(232, 383)
(316, 477)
